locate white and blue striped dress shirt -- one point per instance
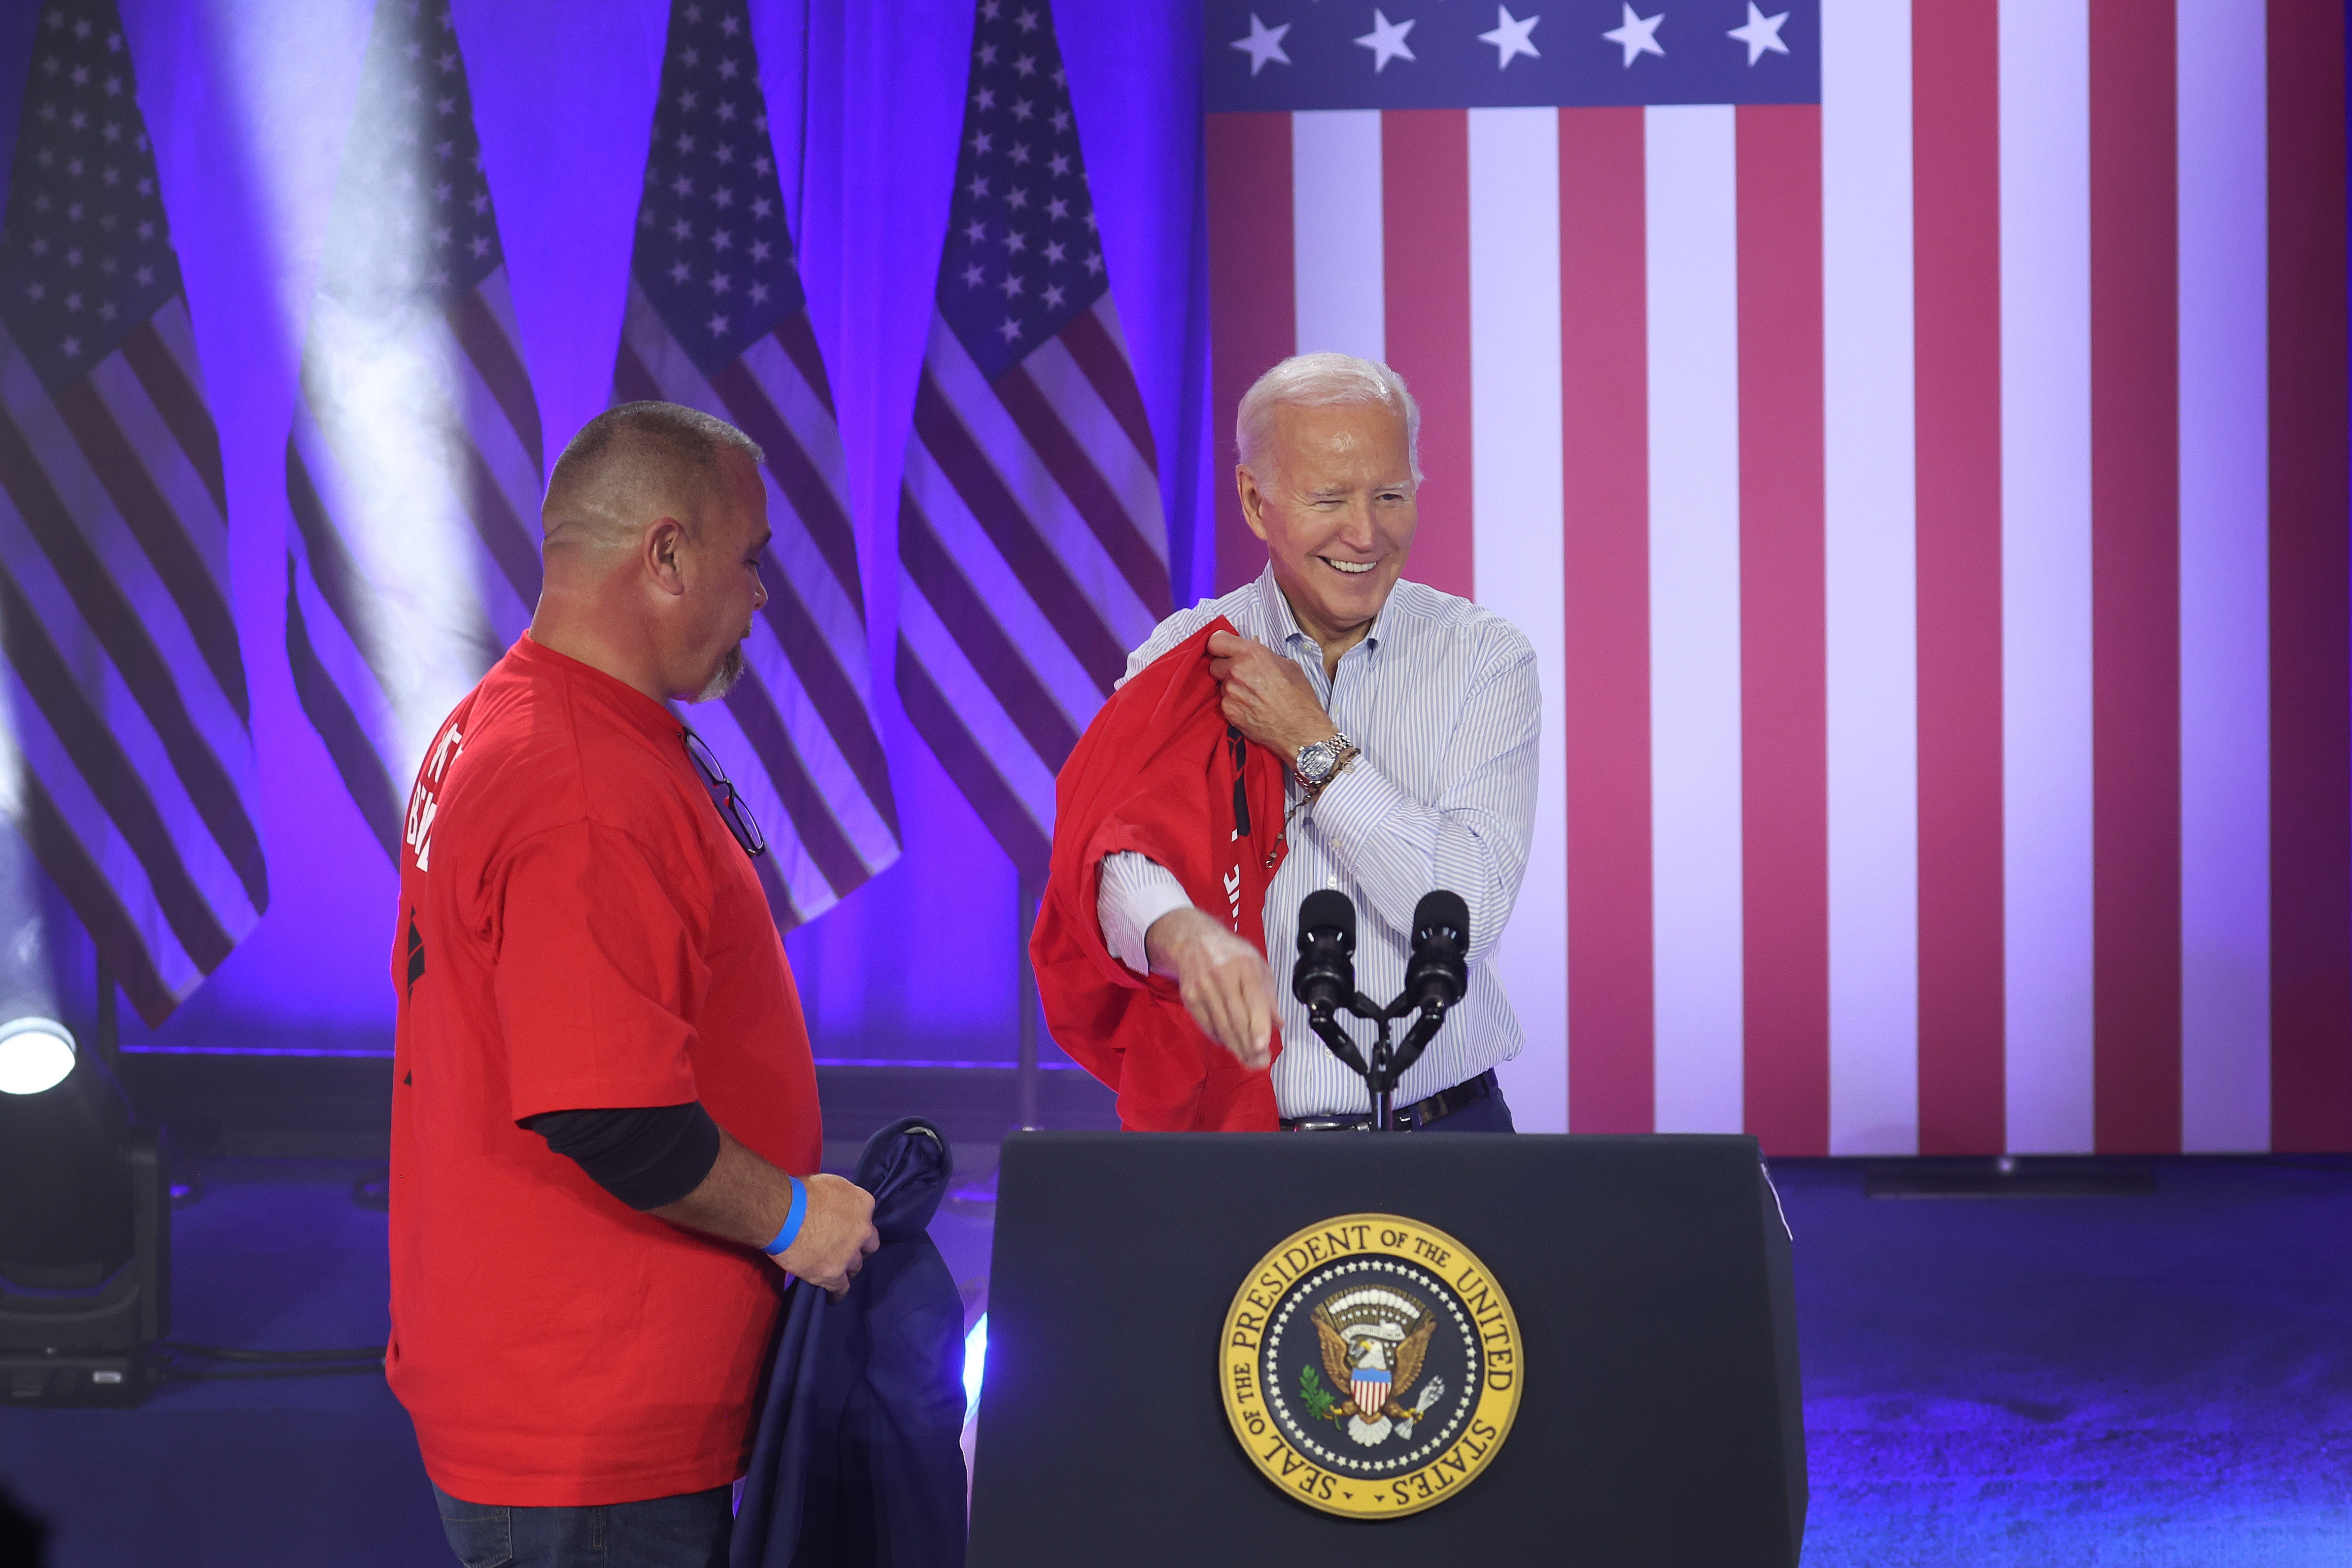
(1441, 697)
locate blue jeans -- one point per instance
(686, 1531)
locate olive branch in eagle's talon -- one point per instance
(1318, 1401)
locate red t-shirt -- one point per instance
(578, 929)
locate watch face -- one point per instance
(1315, 762)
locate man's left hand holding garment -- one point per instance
(606, 1130)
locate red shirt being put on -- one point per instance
(578, 929)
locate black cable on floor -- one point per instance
(221, 1352)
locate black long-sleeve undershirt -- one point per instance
(647, 1156)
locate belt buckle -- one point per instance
(1330, 1124)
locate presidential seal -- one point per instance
(1371, 1366)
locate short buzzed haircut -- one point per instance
(634, 459)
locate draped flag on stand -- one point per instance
(717, 320)
(1031, 545)
(414, 464)
(126, 756)
(1915, 437)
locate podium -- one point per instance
(1395, 1349)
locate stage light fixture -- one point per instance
(36, 1054)
(85, 1225)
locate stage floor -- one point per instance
(2159, 1378)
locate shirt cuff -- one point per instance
(1131, 891)
(1364, 804)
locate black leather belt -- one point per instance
(1420, 1114)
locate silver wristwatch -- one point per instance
(1320, 763)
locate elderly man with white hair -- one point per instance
(1409, 718)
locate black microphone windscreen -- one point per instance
(1442, 908)
(1328, 909)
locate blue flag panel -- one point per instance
(1280, 55)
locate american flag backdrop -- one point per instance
(717, 320)
(126, 757)
(1915, 437)
(415, 464)
(1031, 544)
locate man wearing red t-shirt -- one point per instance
(605, 1107)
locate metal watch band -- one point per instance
(1344, 752)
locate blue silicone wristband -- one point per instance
(791, 1230)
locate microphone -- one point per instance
(1439, 970)
(1325, 975)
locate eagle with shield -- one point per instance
(1375, 1340)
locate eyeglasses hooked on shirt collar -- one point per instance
(731, 810)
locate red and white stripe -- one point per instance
(1930, 510)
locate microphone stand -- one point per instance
(1389, 1063)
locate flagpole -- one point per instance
(1024, 1072)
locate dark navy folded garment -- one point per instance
(857, 1463)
